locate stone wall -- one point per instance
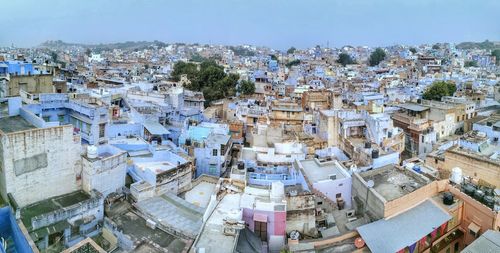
(31, 84)
(53, 156)
(473, 165)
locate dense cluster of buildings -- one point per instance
(100, 151)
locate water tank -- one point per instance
(91, 151)
(417, 169)
(489, 201)
(277, 190)
(375, 153)
(241, 166)
(479, 195)
(447, 198)
(468, 189)
(368, 144)
(456, 175)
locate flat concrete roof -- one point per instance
(173, 213)
(14, 124)
(156, 167)
(392, 183)
(487, 242)
(212, 238)
(52, 204)
(200, 194)
(135, 227)
(414, 107)
(318, 171)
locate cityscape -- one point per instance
(127, 142)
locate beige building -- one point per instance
(34, 84)
(287, 113)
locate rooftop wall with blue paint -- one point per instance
(10, 231)
(19, 67)
(195, 133)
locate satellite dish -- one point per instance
(370, 183)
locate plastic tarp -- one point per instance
(11, 233)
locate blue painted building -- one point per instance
(17, 67)
(13, 239)
(88, 116)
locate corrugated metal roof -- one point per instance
(403, 230)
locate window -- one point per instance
(214, 152)
(101, 130)
(455, 247)
(338, 195)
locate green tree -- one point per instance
(247, 87)
(496, 53)
(435, 47)
(88, 52)
(439, 89)
(345, 59)
(377, 56)
(208, 77)
(181, 68)
(293, 63)
(53, 56)
(291, 50)
(470, 64)
(273, 57)
(413, 50)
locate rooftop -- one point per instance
(392, 182)
(14, 124)
(156, 167)
(52, 204)
(385, 235)
(200, 194)
(135, 227)
(174, 213)
(414, 107)
(317, 171)
(487, 242)
(212, 238)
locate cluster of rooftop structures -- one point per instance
(104, 152)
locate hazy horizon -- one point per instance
(277, 24)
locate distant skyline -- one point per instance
(279, 24)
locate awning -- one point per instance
(155, 128)
(474, 227)
(403, 230)
(260, 217)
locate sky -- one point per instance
(278, 24)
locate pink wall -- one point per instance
(276, 221)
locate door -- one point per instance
(260, 230)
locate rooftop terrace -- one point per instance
(14, 124)
(392, 182)
(52, 204)
(134, 226)
(317, 171)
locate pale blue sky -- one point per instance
(275, 23)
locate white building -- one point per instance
(104, 169)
